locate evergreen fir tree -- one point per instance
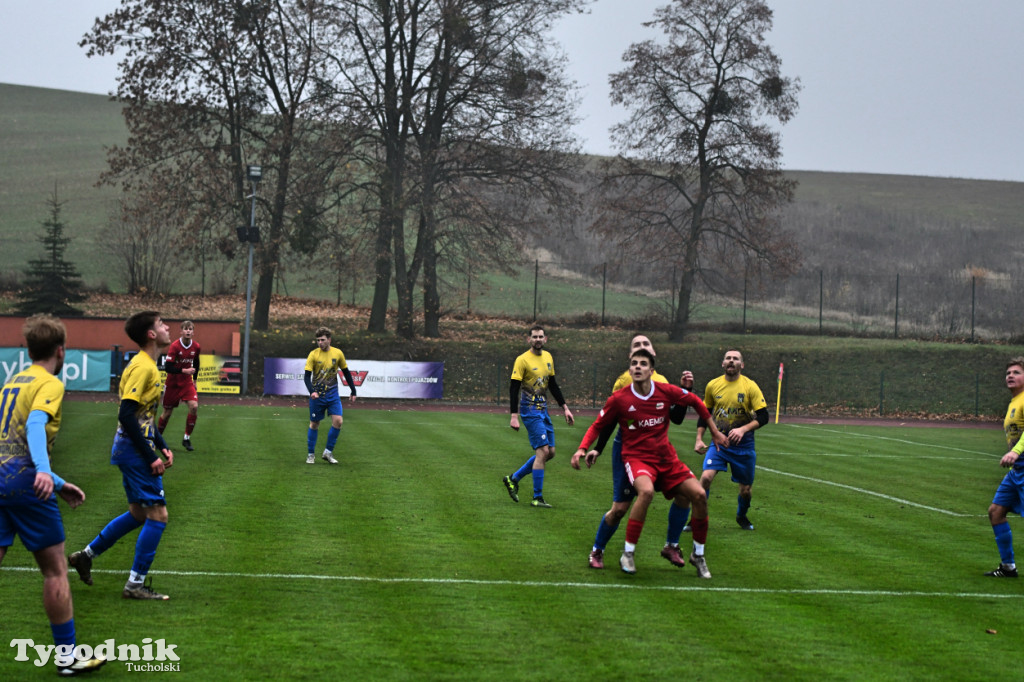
(52, 284)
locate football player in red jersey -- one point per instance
(182, 366)
(642, 411)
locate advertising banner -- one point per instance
(83, 370)
(373, 379)
(218, 374)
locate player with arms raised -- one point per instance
(642, 411)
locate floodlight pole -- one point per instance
(255, 173)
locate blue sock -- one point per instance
(742, 505)
(112, 532)
(64, 635)
(604, 534)
(1004, 541)
(677, 518)
(311, 440)
(523, 470)
(332, 438)
(538, 482)
(145, 548)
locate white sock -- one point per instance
(698, 549)
(630, 547)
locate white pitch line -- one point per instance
(552, 584)
(866, 492)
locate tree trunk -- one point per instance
(382, 276)
(431, 297)
(403, 284)
(681, 323)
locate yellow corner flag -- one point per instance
(778, 398)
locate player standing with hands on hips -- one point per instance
(533, 374)
(321, 376)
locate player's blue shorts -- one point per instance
(1010, 493)
(740, 460)
(538, 427)
(140, 485)
(324, 405)
(622, 489)
(38, 524)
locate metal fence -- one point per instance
(961, 306)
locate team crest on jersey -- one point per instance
(660, 406)
(740, 398)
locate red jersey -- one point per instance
(644, 420)
(183, 358)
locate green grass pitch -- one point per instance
(409, 561)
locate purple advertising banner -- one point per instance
(373, 379)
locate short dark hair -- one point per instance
(44, 334)
(536, 328)
(138, 325)
(322, 331)
(187, 324)
(644, 353)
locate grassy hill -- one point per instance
(54, 138)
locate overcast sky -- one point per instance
(910, 87)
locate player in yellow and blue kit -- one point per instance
(137, 451)
(738, 408)
(321, 376)
(30, 415)
(1010, 493)
(533, 375)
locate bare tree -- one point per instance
(211, 86)
(446, 90)
(142, 244)
(698, 185)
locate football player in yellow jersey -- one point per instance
(738, 408)
(321, 377)
(533, 375)
(137, 450)
(30, 415)
(1010, 493)
(622, 491)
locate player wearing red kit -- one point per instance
(182, 366)
(642, 411)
